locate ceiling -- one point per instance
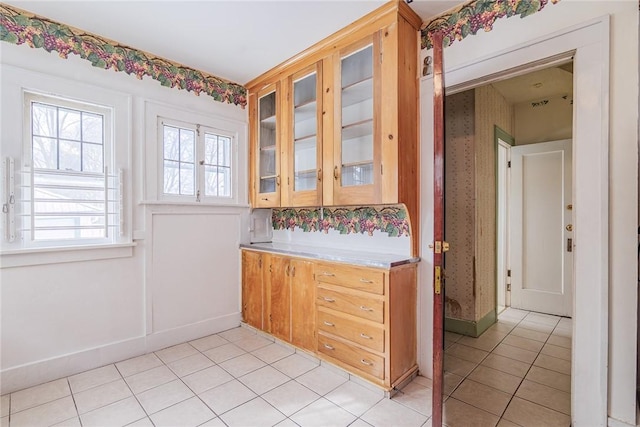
(234, 39)
(537, 85)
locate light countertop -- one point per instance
(366, 259)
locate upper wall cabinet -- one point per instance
(347, 115)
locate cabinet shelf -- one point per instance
(357, 129)
(268, 148)
(357, 92)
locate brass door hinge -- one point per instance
(439, 247)
(437, 282)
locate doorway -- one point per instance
(506, 205)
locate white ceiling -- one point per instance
(537, 85)
(236, 40)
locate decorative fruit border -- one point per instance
(392, 220)
(471, 17)
(19, 27)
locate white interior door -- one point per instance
(541, 229)
(503, 223)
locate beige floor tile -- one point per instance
(289, 398)
(144, 422)
(557, 351)
(322, 413)
(562, 332)
(416, 397)
(553, 364)
(180, 351)
(190, 364)
(163, 396)
(524, 343)
(505, 364)
(236, 334)
(452, 336)
(482, 396)
(295, 365)
(497, 379)
(138, 364)
(534, 326)
(559, 341)
(120, 413)
(529, 414)
(546, 396)
(545, 319)
(191, 412)
(207, 379)
(514, 313)
(459, 414)
(48, 413)
(209, 342)
(224, 352)
(227, 396)
(73, 422)
(502, 327)
(43, 393)
(321, 380)
(355, 398)
(216, 422)
(450, 382)
(4, 407)
(467, 353)
(252, 343)
(484, 342)
(254, 412)
(506, 423)
(424, 381)
(264, 379)
(103, 395)
(357, 423)
(515, 353)
(458, 366)
(93, 378)
(528, 333)
(4, 421)
(550, 378)
(390, 413)
(149, 379)
(273, 352)
(242, 365)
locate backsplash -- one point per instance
(390, 219)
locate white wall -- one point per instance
(181, 281)
(623, 167)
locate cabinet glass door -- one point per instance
(356, 77)
(267, 144)
(305, 133)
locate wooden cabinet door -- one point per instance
(303, 313)
(279, 298)
(356, 123)
(302, 132)
(265, 146)
(252, 288)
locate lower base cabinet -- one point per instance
(359, 318)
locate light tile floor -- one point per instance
(517, 373)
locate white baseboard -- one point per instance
(612, 422)
(30, 374)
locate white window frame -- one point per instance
(153, 189)
(199, 195)
(17, 85)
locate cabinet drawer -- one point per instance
(367, 308)
(359, 332)
(362, 279)
(352, 355)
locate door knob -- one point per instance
(569, 227)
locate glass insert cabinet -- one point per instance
(337, 124)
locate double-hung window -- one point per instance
(197, 162)
(65, 192)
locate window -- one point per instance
(67, 192)
(196, 162)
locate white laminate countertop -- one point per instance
(366, 259)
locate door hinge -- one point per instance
(437, 281)
(509, 273)
(509, 164)
(439, 247)
(508, 287)
(381, 170)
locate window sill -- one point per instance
(61, 254)
(180, 203)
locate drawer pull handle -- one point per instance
(366, 281)
(365, 308)
(366, 362)
(326, 273)
(365, 336)
(328, 347)
(327, 299)
(329, 323)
